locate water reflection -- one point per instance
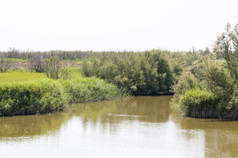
(220, 136)
(134, 127)
(145, 109)
(22, 127)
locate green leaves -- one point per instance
(52, 68)
(91, 89)
(39, 96)
(226, 47)
(147, 73)
(199, 103)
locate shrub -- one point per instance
(39, 96)
(199, 103)
(65, 73)
(90, 89)
(52, 68)
(186, 82)
(147, 73)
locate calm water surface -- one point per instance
(140, 127)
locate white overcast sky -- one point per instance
(113, 24)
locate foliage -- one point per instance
(65, 73)
(52, 68)
(215, 93)
(186, 82)
(147, 73)
(62, 55)
(90, 89)
(46, 95)
(227, 47)
(199, 103)
(39, 96)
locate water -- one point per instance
(139, 127)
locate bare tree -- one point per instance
(37, 63)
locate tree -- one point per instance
(37, 63)
(52, 68)
(226, 47)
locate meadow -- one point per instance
(23, 75)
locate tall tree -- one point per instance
(226, 47)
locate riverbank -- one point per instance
(46, 95)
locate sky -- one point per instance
(105, 25)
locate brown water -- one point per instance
(140, 127)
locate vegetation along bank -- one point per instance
(204, 82)
(209, 88)
(47, 95)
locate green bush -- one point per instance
(147, 73)
(90, 89)
(46, 95)
(39, 96)
(186, 82)
(199, 103)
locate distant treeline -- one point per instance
(62, 55)
(72, 55)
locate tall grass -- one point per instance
(90, 89)
(46, 95)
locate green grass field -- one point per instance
(21, 76)
(79, 61)
(75, 72)
(16, 60)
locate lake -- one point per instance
(141, 127)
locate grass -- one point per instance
(75, 72)
(16, 60)
(21, 76)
